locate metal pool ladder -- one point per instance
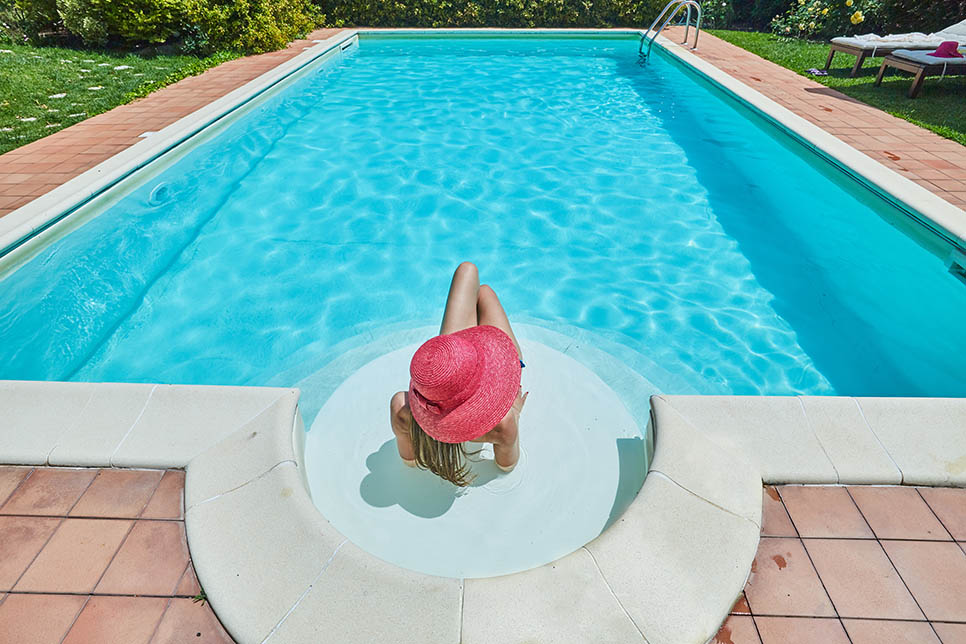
(671, 10)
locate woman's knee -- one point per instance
(467, 270)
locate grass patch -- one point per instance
(45, 89)
(939, 106)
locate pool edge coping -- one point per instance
(909, 196)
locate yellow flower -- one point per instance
(824, 11)
(848, 3)
(811, 25)
(856, 17)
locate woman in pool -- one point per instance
(464, 386)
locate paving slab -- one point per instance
(180, 421)
(718, 474)
(564, 602)
(359, 599)
(101, 426)
(35, 416)
(771, 431)
(855, 452)
(675, 562)
(257, 549)
(255, 448)
(926, 437)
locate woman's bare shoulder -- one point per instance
(399, 404)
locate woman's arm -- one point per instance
(400, 419)
(506, 435)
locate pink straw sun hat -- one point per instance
(463, 383)
(947, 49)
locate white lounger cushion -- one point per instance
(925, 58)
(859, 41)
(913, 40)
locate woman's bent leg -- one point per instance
(490, 311)
(461, 303)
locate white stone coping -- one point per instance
(670, 568)
(838, 440)
(933, 212)
(125, 425)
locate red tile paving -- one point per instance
(81, 563)
(949, 504)
(168, 499)
(803, 589)
(10, 480)
(883, 589)
(131, 620)
(935, 163)
(775, 521)
(824, 512)
(21, 539)
(75, 557)
(49, 491)
(37, 168)
(898, 513)
(783, 581)
(38, 619)
(117, 493)
(151, 561)
(863, 631)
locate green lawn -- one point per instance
(939, 107)
(45, 89)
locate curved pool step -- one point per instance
(667, 572)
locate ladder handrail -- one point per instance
(675, 7)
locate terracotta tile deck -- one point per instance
(820, 579)
(935, 163)
(100, 556)
(69, 577)
(39, 167)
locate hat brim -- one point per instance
(493, 398)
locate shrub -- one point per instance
(25, 20)
(717, 14)
(824, 18)
(251, 26)
(202, 26)
(97, 21)
(915, 15)
(757, 14)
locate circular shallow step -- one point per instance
(583, 459)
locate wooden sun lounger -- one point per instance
(860, 54)
(920, 69)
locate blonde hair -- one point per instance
(445, 460)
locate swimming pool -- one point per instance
(632, 210)
(631, 203)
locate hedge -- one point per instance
(491, 13)
(199, 26)
(203, 26)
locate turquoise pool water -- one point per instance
(631, 204)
